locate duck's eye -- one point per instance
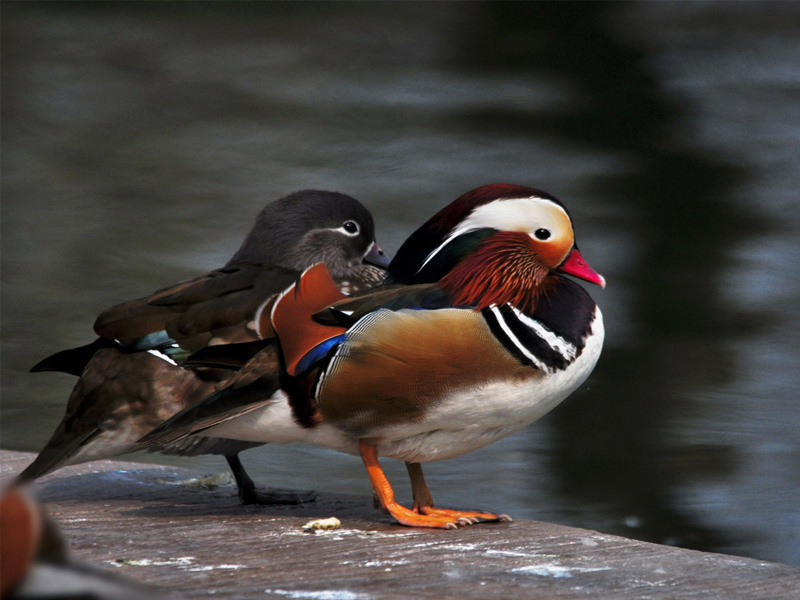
(350, 227)
(542, 234)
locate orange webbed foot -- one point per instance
(411, 518)
(463, 517)
(423, 514)
(423, 503)
(384, 495)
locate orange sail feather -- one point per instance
(292, 314)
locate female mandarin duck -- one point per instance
(129, 380)
(477, 335)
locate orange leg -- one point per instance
(385, 495)
(423, 502)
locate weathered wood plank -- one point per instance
(194, 542)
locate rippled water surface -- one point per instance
(139, 141)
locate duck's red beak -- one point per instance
(577, 267)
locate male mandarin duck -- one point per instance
(477, 335)
(129, 380)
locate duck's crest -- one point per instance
(407, 263)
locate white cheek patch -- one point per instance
(515, 214)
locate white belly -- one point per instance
(463, 422)
(472, 419)
(275, 424)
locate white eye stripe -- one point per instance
(509, 214)
(349, 228)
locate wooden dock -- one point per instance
(161, 526)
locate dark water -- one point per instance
(139, 141)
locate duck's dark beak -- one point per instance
(577, 267)
(376, 256)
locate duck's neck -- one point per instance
(502, 269)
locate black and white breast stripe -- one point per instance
(527, 339)
(553, 336)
